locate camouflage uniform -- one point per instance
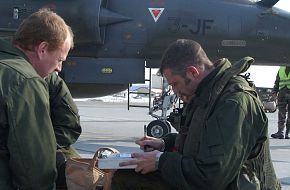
(223, 144)
(27, 140)
(66, 123)
(282, 88)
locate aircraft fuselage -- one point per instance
(113, 38)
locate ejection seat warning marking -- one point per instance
(156, 13)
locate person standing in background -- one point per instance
(281, 92)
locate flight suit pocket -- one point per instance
(70, 105)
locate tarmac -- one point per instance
(112, 124)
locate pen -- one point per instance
(145, 131)
(146, 147)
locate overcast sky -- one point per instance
(263, 76)
(283, 4)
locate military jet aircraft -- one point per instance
(114, 38)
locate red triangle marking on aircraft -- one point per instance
(156, 12)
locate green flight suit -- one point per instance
(66, 123)
(223, 141)
(27, 140)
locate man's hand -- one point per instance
(145, 161)
(153, 143)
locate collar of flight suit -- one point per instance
(7, 47)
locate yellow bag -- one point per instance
(82, 173)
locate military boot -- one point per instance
(287, 132)
(278, 135)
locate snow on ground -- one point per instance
(112, 98)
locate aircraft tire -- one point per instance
(158, 128)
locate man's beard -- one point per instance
(187, 81)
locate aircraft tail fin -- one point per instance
(267, 3)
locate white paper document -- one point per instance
(113, 160)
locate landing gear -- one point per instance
(158, 128)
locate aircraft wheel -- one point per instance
(158, 128)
